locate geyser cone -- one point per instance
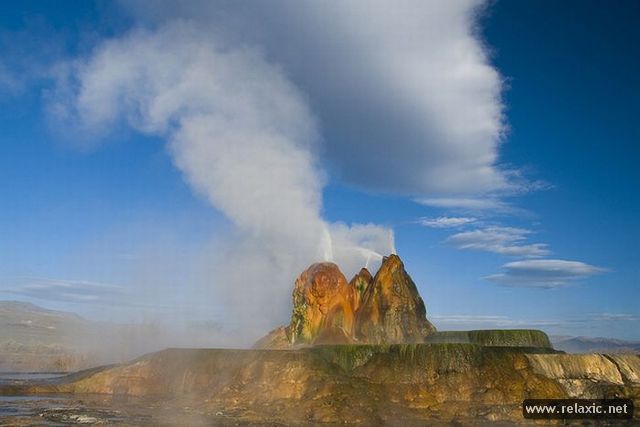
(386, 308)
(392, 310)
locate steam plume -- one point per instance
(244, 138)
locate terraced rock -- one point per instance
(407, 384)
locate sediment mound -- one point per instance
(381, 309)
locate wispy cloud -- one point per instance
(8, 81)
(616, 317)
(446, 221)
(464, 321)
(471, 321)
(543, 273)
(465, 203)
(501, 240)
(76, 291)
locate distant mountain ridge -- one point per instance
(22, 309)
(36, 339)
(33, 338)
(594, 345)
(28, 306)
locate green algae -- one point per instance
(443, 337)
(510, 338)
(494, 338)
(349, 356)
(449, 356)
(455, 348)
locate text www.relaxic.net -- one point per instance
(577, 408)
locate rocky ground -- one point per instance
(395, 384)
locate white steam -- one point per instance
(244, 138)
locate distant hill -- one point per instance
(594, 345)
(29, 323)
(34, 339)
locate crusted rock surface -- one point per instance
(392, 310)
(327, 309)
(400, 384)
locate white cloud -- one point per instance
(543, 273)
(446, 221)
(501, 240)
(405, 91)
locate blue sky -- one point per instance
(510, 189)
